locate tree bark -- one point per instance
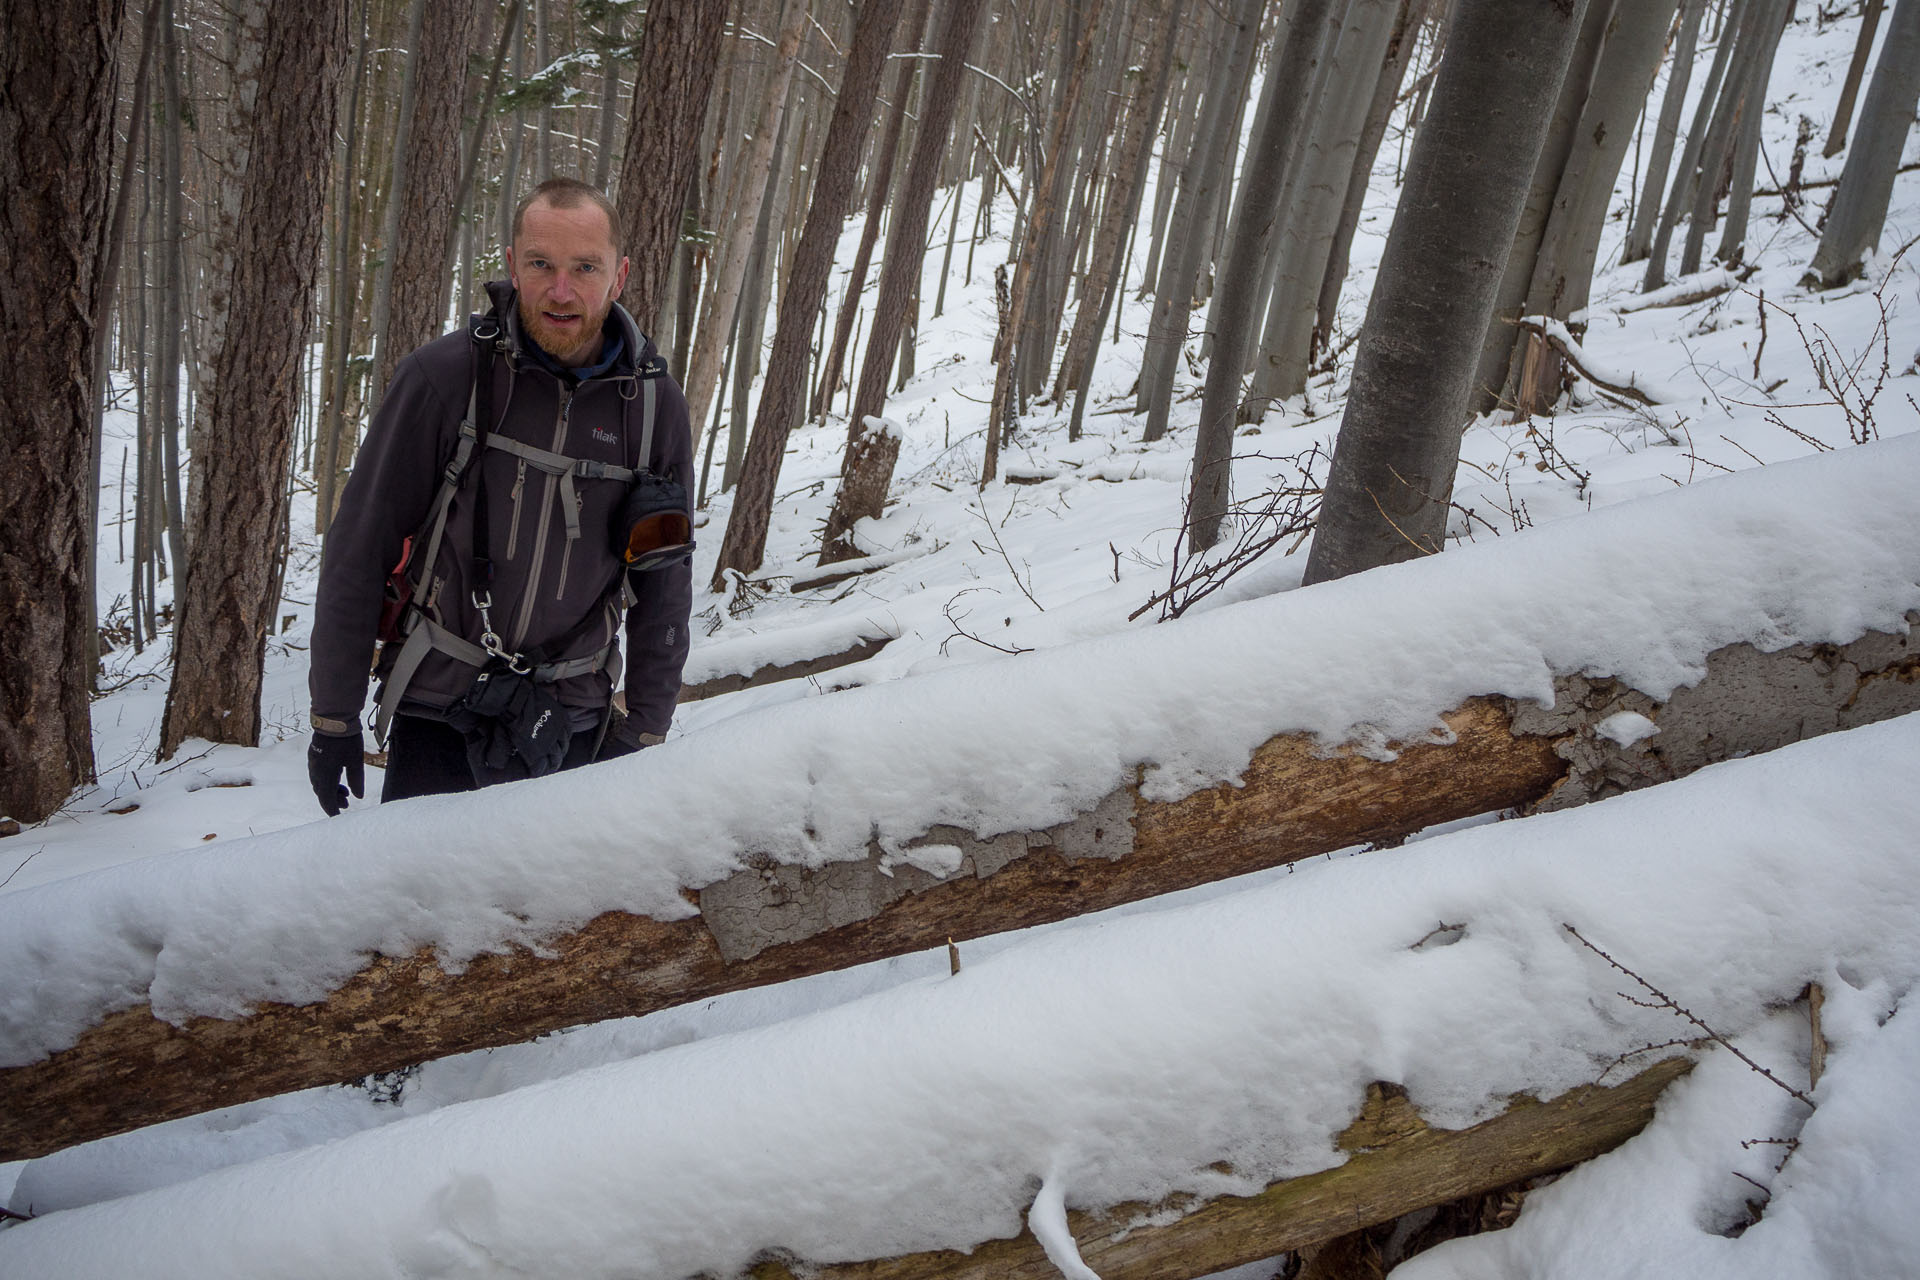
(745, 196)
(1850, 88)
(1296, 264)
(1310, 39)
(1563, 270)
(1123, 199)
(426, 229)
(867, 470)
(1660, 159)
(1391, 480)
(1492, 385)
(228, 597)
(59, 83)
(673, 80)
(1030, 264)
(785, 386)
(1859, 210)
(1681, 193)
(1743, 96)
(757, 927)
(1386, 93)
(879, 187)
(1193, 210)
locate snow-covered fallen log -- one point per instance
(821, 834)
(1164, 1058)
(787, 653)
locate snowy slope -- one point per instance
(450, 1183)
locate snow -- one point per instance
(894, 1107)
(1118, 1058)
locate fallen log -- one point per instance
(1398, 1164)
(779, 921)
(773, 672)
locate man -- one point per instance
(522, 534)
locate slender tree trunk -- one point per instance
(1391, 481)
(59, 84)
(744, 198)
(425, 230)
(1123, 198)
(1563, 269)
(1310, 40)
(753, 317)
(879, 186)
(398, 196)
(1746, 145)
(1193, 211)
(1660, 160)
(1745, 90)
(1680, 195)
(785, 385)
(867, 470)
(1321, 171)
(1492, 383)
(1859, 212)
(228, 596)
(1386, 92)
(1039, 231)
(1850, 88)
(609, 102)
(173, 285)
(335, 425)
(673, 80)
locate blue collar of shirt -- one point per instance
(610, 353)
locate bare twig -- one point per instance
(1661, 1000)
(23, 862)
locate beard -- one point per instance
(571, 345)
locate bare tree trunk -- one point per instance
(427, 176)
(867, 471)
(745, 196)
(228, 595)
(1391, 480)
(785, 385)
(1386, 92)
(1313, 38)
(1563, 270)
(1320, 174)
(609, 101)
(59, 83)
(1491, 381)
(397, 198)
(1193, 211)
(335, 426)
(1746, 144)
(879, 186)
(753, 314)
(1856, 67)
(1123, 199)
(1039, 231)
(673, 79)
(1859, 212)
(1744, 92)
(1680, 195)
(1654, 185)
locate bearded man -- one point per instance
(522, 488)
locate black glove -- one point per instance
(329, 757)
(623, 738)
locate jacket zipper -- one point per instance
(566, 556)
(513, 528)
(532, 590)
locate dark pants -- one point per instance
(429, 758)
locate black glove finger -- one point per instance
(357, 775)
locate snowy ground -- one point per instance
(610, 1145)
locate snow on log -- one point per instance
(1396, 1164)
(1734, 616)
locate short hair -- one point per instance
(569, 193)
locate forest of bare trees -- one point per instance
(231, 220)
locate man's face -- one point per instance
(568, 272)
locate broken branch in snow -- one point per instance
(1555, 335)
